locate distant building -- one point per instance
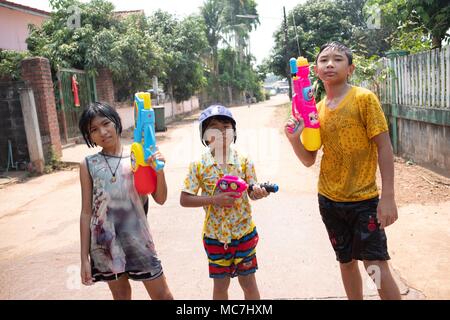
(15, 18)
(14, 21)
(281, 86)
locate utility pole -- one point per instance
(288, 71)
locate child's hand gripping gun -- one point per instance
(304, 105)
(144, 145)
(270, 187)
(238, 185)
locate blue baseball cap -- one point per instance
(215, 110)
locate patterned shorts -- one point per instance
(354, 230)
(238, 259)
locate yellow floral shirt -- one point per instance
(222, 223)
(350, 157)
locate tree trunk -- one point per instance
(171, 98)
(436, 41)
(215, 63)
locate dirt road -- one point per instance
(39, 226)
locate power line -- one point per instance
(296, 34)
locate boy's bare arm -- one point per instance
(308, 158)
(160, 194)
(221, 199)
(387, 208)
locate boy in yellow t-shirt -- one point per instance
(355, 136)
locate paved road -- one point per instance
(39, 224)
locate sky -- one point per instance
(261, 40)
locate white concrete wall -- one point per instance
(172, 109)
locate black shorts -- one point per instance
(354, 230)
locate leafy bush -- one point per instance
(10, 63)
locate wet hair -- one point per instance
(337, 46)
(222, 119)
(95, 109)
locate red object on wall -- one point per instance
(76, 100)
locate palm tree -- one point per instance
(212, 14)
(226, 21)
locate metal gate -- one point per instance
(68, 113)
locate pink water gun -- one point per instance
(236, 184)
(304, 105)
(232, 184)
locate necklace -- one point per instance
(113, 179)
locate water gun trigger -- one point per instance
(294, 128)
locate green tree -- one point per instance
(411, 36)
(229, 23)
(212, 11)
(396, 26)
(123, 46)
(316, 22)
(238, 75)
(10, 63)
(389, 33)
(183, 44)
(86, 47)
(140, 57)
(240, 17)
(415, 25)
(434, 15)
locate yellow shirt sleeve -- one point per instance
(372, 115)
(249, 171)
(191, 182)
